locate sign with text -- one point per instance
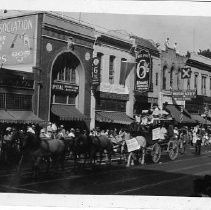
(184, 94)
(132, 145)
(17, 40)
(96, 71)
(143, 71)
(65, 87)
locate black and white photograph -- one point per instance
(108, 99)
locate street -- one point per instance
(167, 178)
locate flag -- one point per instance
(186, 72)
(125, 70)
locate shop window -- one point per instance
(2, 100)
(18, 101)
(71, 100)
(111, 69)
(60, 99)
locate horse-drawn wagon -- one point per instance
(158, 135)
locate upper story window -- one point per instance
(111, 69)
(156, 78)
(67, 74)
(203, 85)
(171, 77)
(178, 78)
(164, 77)
(188, 84)
(195, 81)
(100, 57)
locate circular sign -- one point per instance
(49, 47)
(87, 56)
(96, 61)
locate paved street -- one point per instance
(168, 178)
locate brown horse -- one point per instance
(100, 144)
(52, 149)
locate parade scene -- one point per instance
(84, 111)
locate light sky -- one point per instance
(190, 32)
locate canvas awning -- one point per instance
(13, 116)
(176, 114)
(200, 119)
(113, 117)
(68, 113)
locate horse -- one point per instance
(38, 149)
(142, 142)
(99, 145)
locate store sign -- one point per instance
(17, 38)
(143, 71)
(65, 87)
(184, 94)
(113, 88)
(96, 71)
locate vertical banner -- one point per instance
(96, 71)
(143, 71)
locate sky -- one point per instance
(191, 28)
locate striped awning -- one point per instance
(200, 119)
(68, 113)
(176, 114)
(113, 117)
(13, 116)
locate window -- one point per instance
(111, 69)
(178, 78)
(188, 84)
(156, 79)
(18, 101)
(64, 99)
(111, 105)
(171, 77)
(203, 85)
(100, 57)
(195, 81)
(164, 77)
(67, 74)
(60, 99)
(210, 83)
(2, 100)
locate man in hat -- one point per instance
(72, 133)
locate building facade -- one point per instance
(58, 52)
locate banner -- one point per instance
(132, 145)
(143, 71)
(125, 70)
(96, 71)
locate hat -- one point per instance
(42, 131)
(8, 129)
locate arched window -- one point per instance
(171, 77)
(178, 78)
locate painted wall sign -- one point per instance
(143, 71)
(17, 40)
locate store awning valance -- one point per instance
(5, 117)
(176, 114)
(113, 117)
(25, 117)
(11, 116)
(68, 113)
(200, 119)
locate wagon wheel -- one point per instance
(173, 150)
(156, 153)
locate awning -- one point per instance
(25, 117)
(5, 117)
(68, 113)
(11, 116)
(175, 113)
(200, 119)
(113, 117)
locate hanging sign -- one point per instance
(143, 71)
(96, 71)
